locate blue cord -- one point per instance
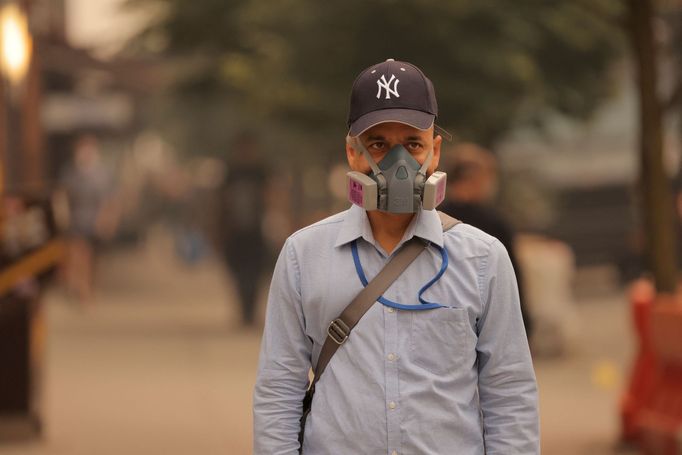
(424, 305)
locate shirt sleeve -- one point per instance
(506, 379)
(284, 363)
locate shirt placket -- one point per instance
(392, 384)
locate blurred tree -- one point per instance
(657, 205)
(495, 64)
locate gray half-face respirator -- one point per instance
(397, 184)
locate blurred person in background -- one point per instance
(443, 369)
(472, 185)
(87, 184)
(243, 208)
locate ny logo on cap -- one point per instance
(386, 85)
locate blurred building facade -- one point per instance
(50, 92)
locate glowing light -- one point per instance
(15, 42)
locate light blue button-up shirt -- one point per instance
(455, 380)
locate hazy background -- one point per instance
(194, 137)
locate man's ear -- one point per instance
(351, 153)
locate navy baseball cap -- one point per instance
(391, 91)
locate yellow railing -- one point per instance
(31, 265)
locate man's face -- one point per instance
(379, 139)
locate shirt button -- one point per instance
(391, 357)
(392, 405)
(390, 310)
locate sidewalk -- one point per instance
(159, 366)
(580, 393)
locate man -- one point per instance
(454, 379)
(472, 183)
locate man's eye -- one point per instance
(414, 146)
(378, 146)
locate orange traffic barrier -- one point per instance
(642, 378)
(651, 408)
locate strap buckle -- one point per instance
(338, 331)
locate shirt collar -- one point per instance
(425, 225)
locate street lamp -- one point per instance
(15, 57)
(16, 43)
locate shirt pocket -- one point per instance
(438, 339)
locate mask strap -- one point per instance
(427, 163)
(359, 145)
(442, 132)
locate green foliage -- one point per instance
(495, 64)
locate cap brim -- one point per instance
(417, 119)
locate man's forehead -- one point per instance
(388, 129)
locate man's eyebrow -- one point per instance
(413, 138)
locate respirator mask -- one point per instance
(397, 184)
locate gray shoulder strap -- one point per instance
(447, 221)
(340, 328)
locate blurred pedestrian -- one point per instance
(438, 361)
(472, 186)
(242, 212)
(88, 187)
